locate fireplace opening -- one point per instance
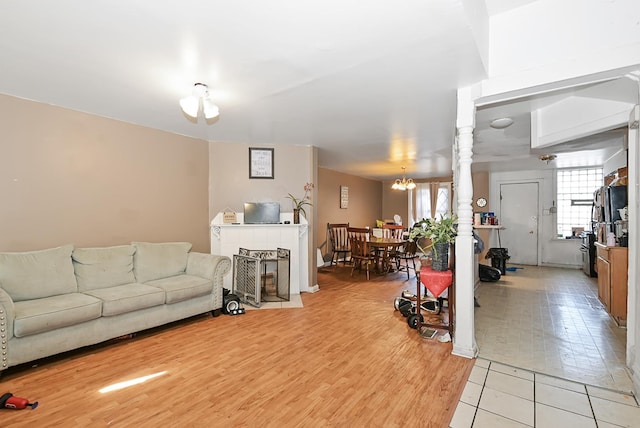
(262, 275)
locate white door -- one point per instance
(519, 216)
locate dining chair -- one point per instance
(339, 239)
(360, 252)
(361, 232)
(392, 231)
(408, 253)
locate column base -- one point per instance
(465, 352)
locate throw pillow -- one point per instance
(154, 261)
(38, 274)
(103, 267)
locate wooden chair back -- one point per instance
(392, 231)
(360, 253)
(338, 235)
(339, 241)
(359, 247)
(359, 232)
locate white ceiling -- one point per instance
(495, 7)
(374, 88)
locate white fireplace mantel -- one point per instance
(227, 238)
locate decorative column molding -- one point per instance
(464, 342)
(633, 298)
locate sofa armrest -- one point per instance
(7, 315)
(210, 266)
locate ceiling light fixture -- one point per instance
(192, 104)
(547, 158)
(503, 122)
(404, 184)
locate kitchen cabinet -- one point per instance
(612, 280)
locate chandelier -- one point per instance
(404, 184)
(199, 100)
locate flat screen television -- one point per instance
(261, 212)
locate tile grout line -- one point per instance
(586, 392)
(593, 412)
(475, 414)
(535, 403)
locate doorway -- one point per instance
(519, 216)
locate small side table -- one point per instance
(438, 281)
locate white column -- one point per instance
(633, 297)
(464, 341)
(410, 220)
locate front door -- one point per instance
(519, 216)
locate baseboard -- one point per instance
(635, 379)
(556, 265)
(312, 289)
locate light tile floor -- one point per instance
(497, 395)
(550, 321)
(550, 356)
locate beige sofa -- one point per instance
(63, 298)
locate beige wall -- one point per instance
(365, 202)
(394, 202)
(71, 177)
(481, 190)
(230, 186)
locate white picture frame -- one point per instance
(344, 197)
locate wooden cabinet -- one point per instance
(612, 280)
(604, 282)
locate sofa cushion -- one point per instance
(127, 298)
(154, 261)
(103, 267)
(41, 315)
(183, 287)
(38, 274)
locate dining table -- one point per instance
(384, 250)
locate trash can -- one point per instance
(499, 257)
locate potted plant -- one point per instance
(439, 234)
(298, 204)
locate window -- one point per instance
(441, 202)
(574, 188)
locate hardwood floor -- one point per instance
(345, 359)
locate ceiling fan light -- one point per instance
(209, 109)
(190, 105)
(199, 99)
(200, 90)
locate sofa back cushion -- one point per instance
(154, 261)
(103, 267)
(38, 274)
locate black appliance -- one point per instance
(615, 197)
(605, 217)
(588, 250)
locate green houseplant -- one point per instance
(439, 234)
(298, 204)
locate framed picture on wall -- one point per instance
(344, 197)
(260, 162)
